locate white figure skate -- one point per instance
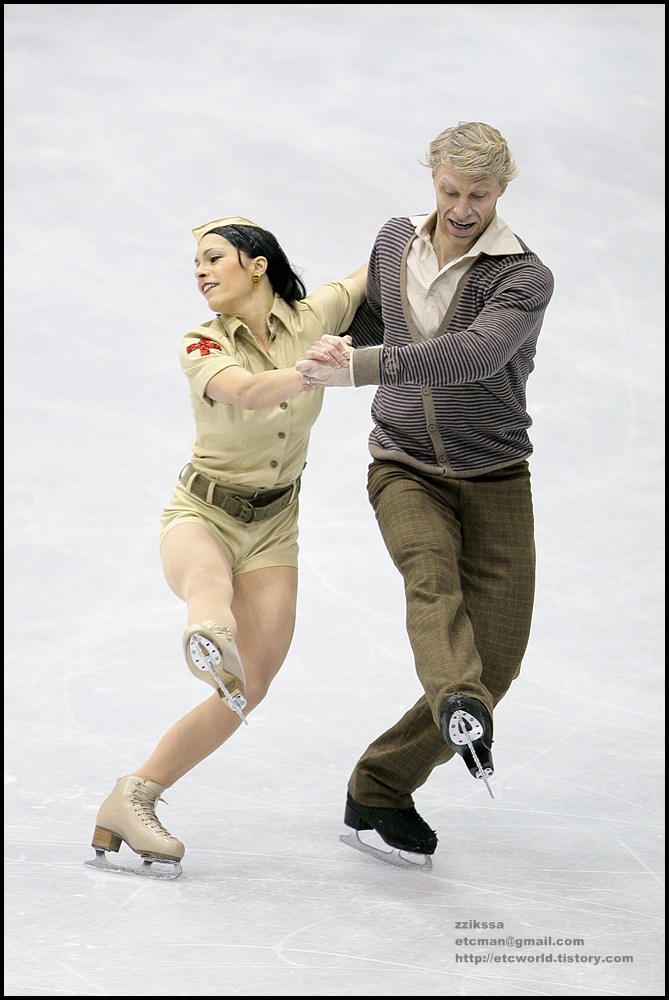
(128, 815)
(213, 657)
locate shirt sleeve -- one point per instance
(203, 354)
(334, 305)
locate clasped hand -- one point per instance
(326, 363)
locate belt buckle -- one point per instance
(247, 511)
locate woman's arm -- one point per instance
(360, 278)
(335, 350)
(236, 386)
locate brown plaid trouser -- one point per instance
(465, 549)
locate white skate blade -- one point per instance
(234, 702)
(391, 856)
(166, 869)
(481, 773)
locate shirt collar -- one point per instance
(280, 310)
(496, 241)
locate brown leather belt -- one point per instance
(256, 506)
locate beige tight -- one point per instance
(259, 609)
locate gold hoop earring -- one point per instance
(255, 278)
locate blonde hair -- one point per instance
(473, 148)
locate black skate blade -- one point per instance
(166, 870)
(391, 856)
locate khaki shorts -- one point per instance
(247, 546)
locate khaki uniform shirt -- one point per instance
(260, 449)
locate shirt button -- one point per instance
(273, 464)
(281, 434)
(284, 406)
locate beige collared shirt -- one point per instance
(260, 449)
(430, 289)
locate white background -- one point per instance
(127, 125)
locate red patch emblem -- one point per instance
(204, 347)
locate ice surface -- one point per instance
(127, 125)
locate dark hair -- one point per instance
(257, 242)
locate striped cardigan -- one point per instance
(453, 404)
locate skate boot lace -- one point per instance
(144, 805)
